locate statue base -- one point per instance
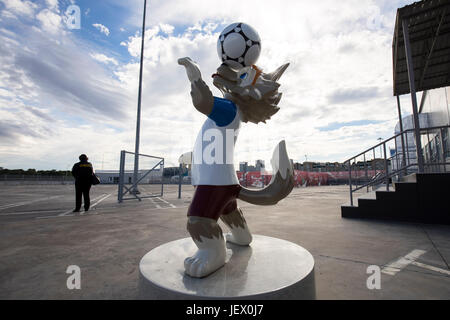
(268, 269)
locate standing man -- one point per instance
(82, 172)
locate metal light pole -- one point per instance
(180, 178)
(400, 121)
(138, 120)
(381, 153)
(412, 89)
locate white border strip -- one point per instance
(150, 209)
(12, 205)
(107, 196)
(70, 211)
(172, 205)
(432, 268)
(396, 266)
(153, 201)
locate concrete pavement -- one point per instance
(38, 242)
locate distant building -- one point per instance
(112, 176)
(319, 167)
(334, 166)
(243, 166)
(298, 166)
(409, 142)
(308, 166)
(260, 165)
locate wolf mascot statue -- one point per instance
(249, 95)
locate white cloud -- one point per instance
(50, 21)
(340, 71)
(8, 15)
(336, 74)
(20, 7)
(53, 4)
(103, 58)
(101, 28)
(166, 28)
(6, 94)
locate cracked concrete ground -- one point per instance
(40, 238)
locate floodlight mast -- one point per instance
(138, 119)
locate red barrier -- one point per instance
(303, 178)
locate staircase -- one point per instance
(419, 197)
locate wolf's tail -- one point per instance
(281, 184)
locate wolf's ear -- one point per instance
(275, 75)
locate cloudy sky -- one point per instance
(68, 91)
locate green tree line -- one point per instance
(35, 172)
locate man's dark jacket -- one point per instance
(82, 172)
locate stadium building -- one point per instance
(421, 174)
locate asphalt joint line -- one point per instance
(435, 247)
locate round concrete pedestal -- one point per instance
(269, 268)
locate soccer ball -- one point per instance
(239, 45)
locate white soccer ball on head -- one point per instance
(239, 45)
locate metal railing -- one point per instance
(386, 169)
(133, 190)
(35, 177)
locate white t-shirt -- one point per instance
(213, 155)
